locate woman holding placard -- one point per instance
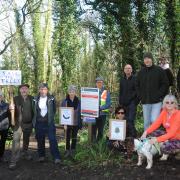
(72, 130)
(125, 146)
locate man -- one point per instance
(105, 103)
(43, 121)
(128, 98)
(151, 85)
(23, 124)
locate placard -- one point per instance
(90, 102)
(67, 116)
(89, 120)
(10, 77)
(117, 129)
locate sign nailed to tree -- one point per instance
(10, 77)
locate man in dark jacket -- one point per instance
(152, 86)
(128, 98)
(23, 124)
(43, 121)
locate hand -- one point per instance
(116, 144)
(11, 107)
(144, 135)
(153, 140)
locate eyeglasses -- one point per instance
(120, 112)
(169, 102)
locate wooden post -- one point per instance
(90, 135)
(11, 97)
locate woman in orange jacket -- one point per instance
(170, 120)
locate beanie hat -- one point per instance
(148, 55)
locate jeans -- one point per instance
(71, 132)
(3, 137)
(16, 142)
(151, 113)
(99, 126)
(42, 129)
(131, 117)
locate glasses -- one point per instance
(120, 112)
(169, 102)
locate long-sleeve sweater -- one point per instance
(172, 131)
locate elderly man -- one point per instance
(43, 121)
(23, 124)
(128, 98)
(105, 104)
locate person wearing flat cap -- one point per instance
(105, 104)
(151, 87)
(72, 100)
(44, 107)
(23, 124)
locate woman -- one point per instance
(4, 124)
(122, 146)
(170, 119)
(72, 131)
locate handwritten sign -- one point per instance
(117, 129)
(10, 77)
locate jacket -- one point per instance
(4, 116)
(127, 92)
(51, 109)
(151, 84)
(173, 131)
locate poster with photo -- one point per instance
(117, 129)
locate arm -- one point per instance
(120, 92)
(172, 132)
(156, 124)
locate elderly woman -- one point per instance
(4, 124)
(122, 146)
(72, 131)
(170, 119)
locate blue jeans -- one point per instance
(151, 113)
(42, 129)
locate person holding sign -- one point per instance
(125, 146)
(72, 130)
(4, 124)
(23, 124)
(105, 104)
(43, 121)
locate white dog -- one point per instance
(145, 149)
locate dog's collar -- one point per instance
(142, 144)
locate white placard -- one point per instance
(10, 77)
(67, 116)
(90, 102)
(117, 129)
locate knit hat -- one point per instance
(24, 85)
(148, 55)
(72, 88)
(43, 85)
(99, 79)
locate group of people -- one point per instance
(150, 87)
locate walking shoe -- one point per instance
(41, 159)
(12, 165)
(57, 161)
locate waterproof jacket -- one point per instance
(51, 109)
(127, 92)
(23, 112)
(151, 84)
